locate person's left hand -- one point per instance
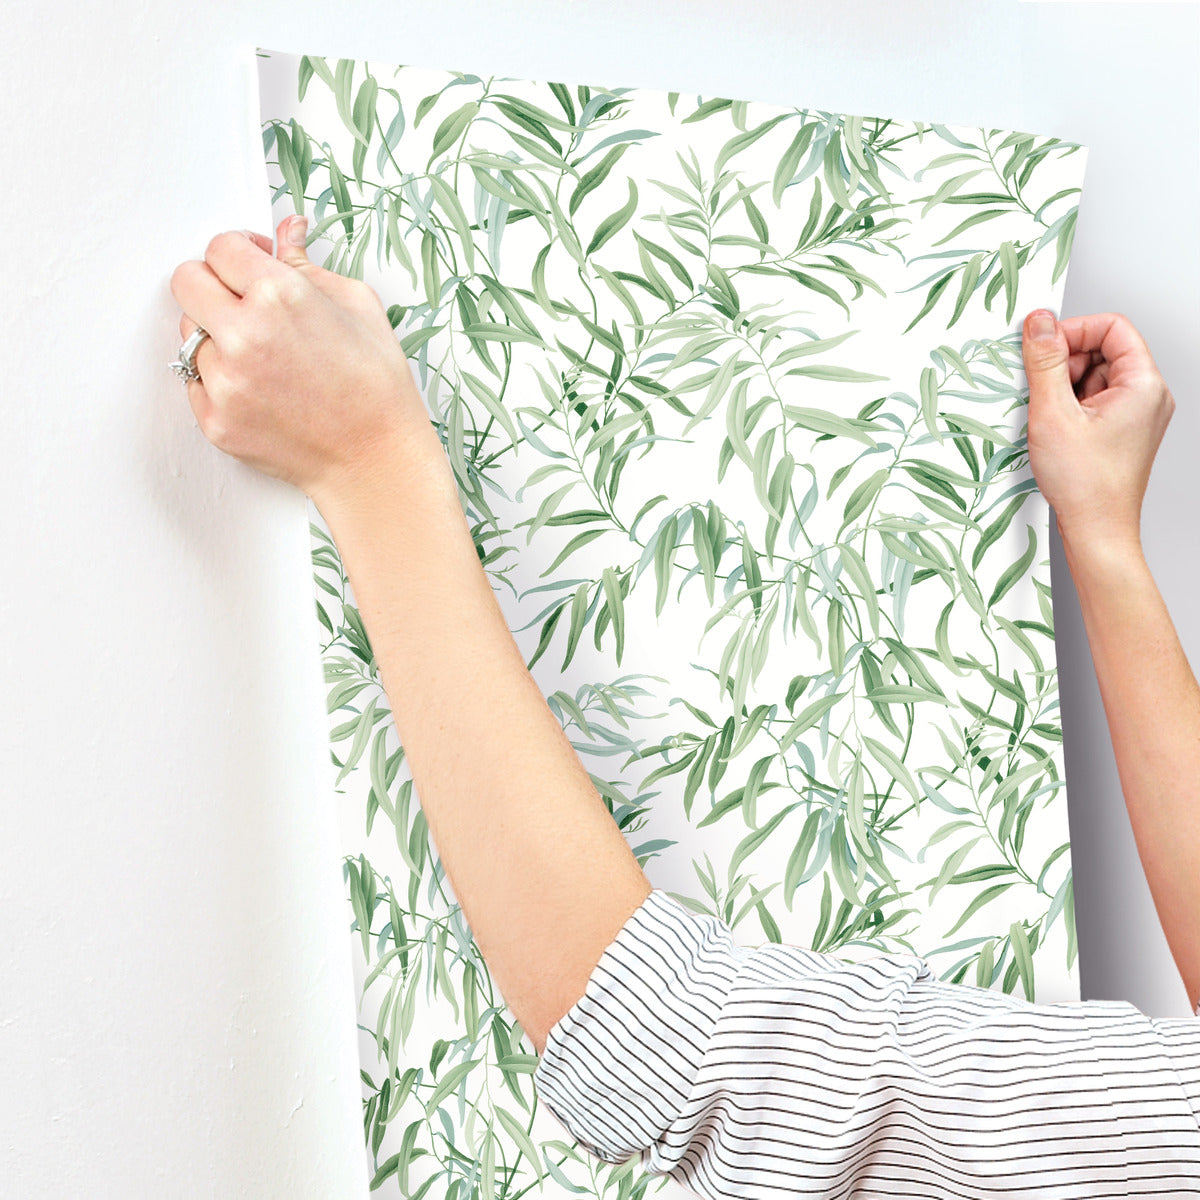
(302, 375)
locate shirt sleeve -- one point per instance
(778, 1071)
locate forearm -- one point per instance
(1152, 703)
(544, 876)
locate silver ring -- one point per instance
(185, 365)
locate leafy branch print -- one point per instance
(737, 424)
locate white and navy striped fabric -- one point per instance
(777, 1071)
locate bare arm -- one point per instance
(1152, 703)
(302, 377)
(1098, 410)
(542, 871)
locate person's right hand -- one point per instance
(1098, 409)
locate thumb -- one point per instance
(1047, 359)
(290, 235)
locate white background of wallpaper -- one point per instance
(176, 1008)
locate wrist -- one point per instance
(1090, 548)
(409, 459)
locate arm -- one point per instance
(544, 875)
(302, 377)
(1098, 410)
(1152, 703)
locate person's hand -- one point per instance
(1098, 409)
(302, 375)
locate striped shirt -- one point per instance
(777, 1071)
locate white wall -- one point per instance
(176, 1007)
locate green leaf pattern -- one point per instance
(739, 430)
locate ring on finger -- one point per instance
(185, 364)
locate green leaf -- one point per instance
(984, 897)
(497, 331)
(932, 298)
(580, 539)
(798, 861)
(343, 82)
(840, 863)
(664, 556)
(1019, 940)
(1066, 237)
(808, 717)
(595, 177)
(826, 422)
(929, 401)
(288, 168)
(616, 608)
(823, 288)
(493, 404)
(950, 866)
(893, 765)
(854, 805)
(706, 110)
(985, 967)
(970, 277)
(412, 342)
(948, 188)
(519, 1135)
(790, 162)
(836, 374)
(717, 391)
(1016, 570)
(1008, 266)
(615, 222)
(859, 499)
(741, 141)
(395, 242)
(957, 359)
(706, 552)
(341, 196)
(753, 840)
(856, 568)
(305, 74)
(899, 693)
(448, 200)
(995, 529)
(452, 128)
(811, 347)
(362, 118)
(447, 1084)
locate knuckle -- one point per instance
(273, 290)
(215, 429)
(234, 343)
(291, 288)
(181, 275)
(215, 243)
(262, 290)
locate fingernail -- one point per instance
(1041, 324)
(297, 230)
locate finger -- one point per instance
(291, 238)
(198, 397)
(203, 296)
(261, 240)
(1111, 337)
(1047, 356)
(238, 260)
(1096, 380)
(1083, 362)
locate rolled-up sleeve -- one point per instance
(779, 1071)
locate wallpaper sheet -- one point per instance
(733, 394)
